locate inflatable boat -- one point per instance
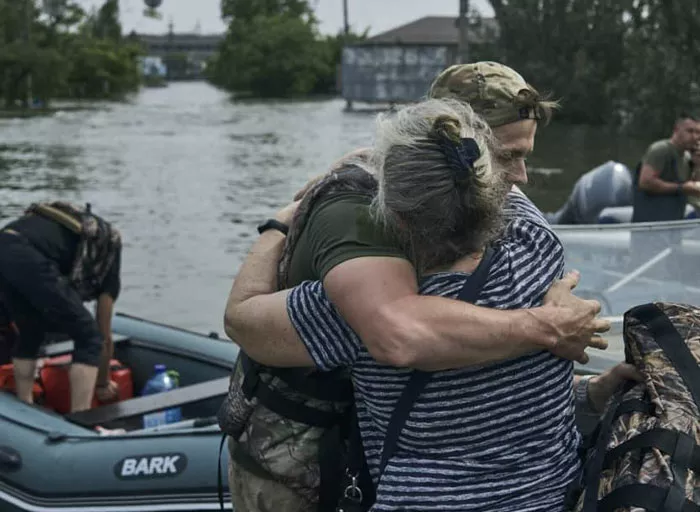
(51, 461)
(59, 462)
(602, 196)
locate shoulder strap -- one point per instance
(469, 293)
(57, 215)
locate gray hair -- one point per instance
(436, 218)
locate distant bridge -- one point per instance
(198, 48)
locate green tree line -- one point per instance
(634, 63)
(64, 53)
(630, 62)
(273, 48)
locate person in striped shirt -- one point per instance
(489, 435)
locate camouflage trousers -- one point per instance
(251, 493)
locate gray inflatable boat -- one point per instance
(51, 462)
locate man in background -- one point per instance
(663, 183)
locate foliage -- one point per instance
(63, 53)
(635, 62)
(273, 49)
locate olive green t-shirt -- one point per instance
(673, 166)
(339, 229)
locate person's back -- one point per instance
(52, 239)
(498, 436)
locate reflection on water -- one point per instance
(187, 175)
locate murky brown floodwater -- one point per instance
(187, 175)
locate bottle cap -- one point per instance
(160, 368)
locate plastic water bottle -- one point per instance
(162, 380)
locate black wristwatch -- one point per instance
(273, 224)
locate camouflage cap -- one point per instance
(496, 92)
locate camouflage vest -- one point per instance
(97, 249)
(646, 452)
(290, 426)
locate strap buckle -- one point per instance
(353, 491)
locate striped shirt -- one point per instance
(498, 437)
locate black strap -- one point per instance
(676, 444)
(634, 405)
(219, 480)
(628, 406)
(595, 464)
(329, 386)
(253, 386)
(469, 293)
(672, 343)
(649, 497)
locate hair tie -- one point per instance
(460, 156)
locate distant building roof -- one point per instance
(437, 30)
(183, 38)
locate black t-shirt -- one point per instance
(59, 244)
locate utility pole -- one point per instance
(463, 23)
(339, 73)
(346, 22)
(168, 51)
(28, 12)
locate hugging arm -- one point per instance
(378, 297)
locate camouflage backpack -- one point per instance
(98, 247)
(646, 454)
(290, 426)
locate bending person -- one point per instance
(52, 259)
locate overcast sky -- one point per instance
(378, 15)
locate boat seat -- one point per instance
(142, 405)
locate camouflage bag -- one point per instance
(100, 242)
(288, 428)
(646, 454)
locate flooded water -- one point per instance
(186, 175)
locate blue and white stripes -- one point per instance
(497, 437)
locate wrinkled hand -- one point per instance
(108, 392)
(601, 387)
(576, 323)
(286, 214)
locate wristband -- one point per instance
(583, 404)
(273, 224)
(679, 189)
